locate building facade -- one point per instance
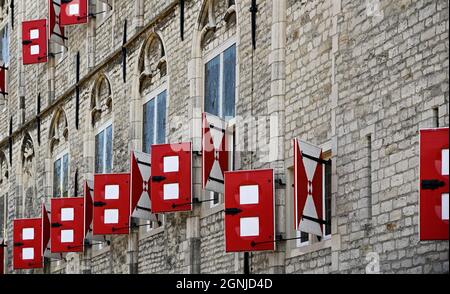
(357, 77)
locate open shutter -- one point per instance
(34, 40)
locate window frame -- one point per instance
(60, 156)
(3, 25)
(153, 95)
(99, 130)
(209, 56)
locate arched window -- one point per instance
(217, 24)
(102, 123)
(59, 151)
(30, 202)
(153, 89)
(214, 55)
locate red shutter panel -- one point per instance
(27, 251)
(434, 188)
(171, 184)
(67, 225)
(3, 73)
(2, 257)
(249, 211)
(111, 204)
(74, 12)
(308, 180)
(34, 40)
(214, 153)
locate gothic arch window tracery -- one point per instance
(59, 131)
(152, 63)
(59, 154)
(28, 158)
(101, 99)
(216, 18)
(4, 172)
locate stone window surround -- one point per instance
(293, 248)
(101, 248)
(208, 56)
(60, 156)
(146, 231)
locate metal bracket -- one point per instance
(232, 211)
(158, 179)
(432, 184)
(56, 225)
(99, 204)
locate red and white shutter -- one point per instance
(171, 184)
(434, 186)
(249, 211)
(73, 12)
(34, 40)
(27, 237)
(55, 29)
(67, 225)
(140, 186)
(308, 181)
(46, 234)
(111, 204)
(2, 256)
(214, 153)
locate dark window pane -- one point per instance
(149, 123)
(65, 176)
(161, 132)
(216, 198)
(99, 140)
(57, 178)
(108, 148)
(229, 82)
(304, 237)
(328, 198)
(212, 87)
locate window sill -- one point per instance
(332, 242)
(205, 212)
(151, 233)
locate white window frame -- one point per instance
(102, 128)
(154, 95)
(60, 156)
(151, 96)
(219, 51)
